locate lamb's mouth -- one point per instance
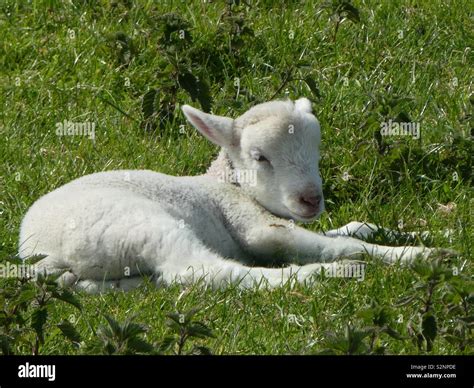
(307, 216)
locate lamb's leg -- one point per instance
(365, 230)
(209, 269)
(49, 266)
(300, 245)
(212, 271)
(169, 253)
(354, 229)
(97, 286)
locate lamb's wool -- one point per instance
(108, 229)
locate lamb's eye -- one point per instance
(258, 156)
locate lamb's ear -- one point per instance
(217, 129)
(303, 105)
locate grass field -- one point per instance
(126, 66)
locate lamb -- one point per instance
(108, 229)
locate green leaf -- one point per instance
(149, 103)
(452, 339)
(199, 330)
(69, 331)
(335, 344)
(351, 12)
(366, 314)
(327, 352)
(393, 333)
(34, 259)
(175, 327)
(429, 330)
(468, 319)
(137, 345)
(123, 338)
(67, 296)
(5, 344)
(201, 350)
(167, 343)
(422, 268)
(403, 117)
(382, 316)
(38, 319)
(183, 318)
(419, 286)
(379, 350)
(177, 318)
(123, 46)
(14, 260)
(170, 23)
(114, 327)
(355, 339)
(188, 315)
(197, 89)
(406, 300)
(26, 295)
(312, 86)
(131, 329)
(463, 287)
(51, 278)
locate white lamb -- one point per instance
(110, 228)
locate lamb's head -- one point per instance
(278, 140)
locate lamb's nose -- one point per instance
(310, 200)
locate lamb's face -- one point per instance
(279, 141)
(283, 149)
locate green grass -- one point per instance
(404, 60)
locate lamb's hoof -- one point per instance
(444, 253)
(67, 279)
